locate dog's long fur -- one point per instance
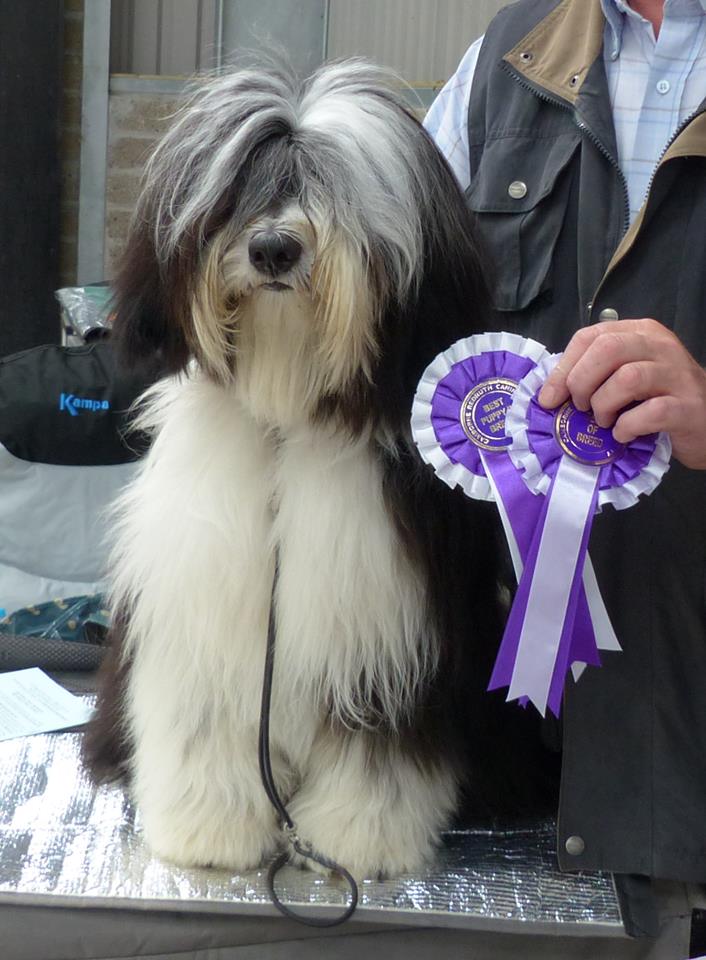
(283, 431)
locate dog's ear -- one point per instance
(150, 321)
(455, 259)
(451, 297)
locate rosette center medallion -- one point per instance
(483, 413)
(582, 439)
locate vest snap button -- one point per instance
(575, 846)
(517, 189)
(526, 56)
(609, 313)
(574, 80)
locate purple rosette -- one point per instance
(470, 403)
(458, 423)
(580, 467)
(460, 405)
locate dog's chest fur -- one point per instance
(350, 608)
(278, 379)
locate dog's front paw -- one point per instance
(239, 843)
(367, 846)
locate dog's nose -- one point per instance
(274, 253)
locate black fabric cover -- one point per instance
(68, 406)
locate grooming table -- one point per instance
(77, 881)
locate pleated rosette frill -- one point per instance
(445, 386)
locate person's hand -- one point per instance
(610, 365)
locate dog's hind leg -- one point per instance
(372, 805)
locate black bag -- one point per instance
(65, 453)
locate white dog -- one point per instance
(298, 256)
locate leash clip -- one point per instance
(301, 846)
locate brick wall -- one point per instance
(136, 121)
(70, 138)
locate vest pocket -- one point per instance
(519, 195)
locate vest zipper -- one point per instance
(614, 163)
(682, 126)
(583, 127)
(680, 129)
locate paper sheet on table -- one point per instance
(31, 702)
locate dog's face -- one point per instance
(289, 302)
(279, 226)
(274, 254)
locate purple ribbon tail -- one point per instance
(507, 654)
(522, 507)
(526, 512)
(577, 638)
(523, 510)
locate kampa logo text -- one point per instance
(67, 401)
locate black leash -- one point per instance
(302, 847)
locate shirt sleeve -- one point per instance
(447, 119)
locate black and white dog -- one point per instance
(299, 255)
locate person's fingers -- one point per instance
(555, 389)
(606, 355)
(629, 383)
(641, 368)
(652, 416)
(594, 352)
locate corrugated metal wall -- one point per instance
(163, 37)
(421, 39)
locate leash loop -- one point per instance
(305, 850)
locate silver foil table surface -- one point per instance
(66, 843)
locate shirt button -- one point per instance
(608, 313)
(663, 86)
(575, 846)
(517, 189)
